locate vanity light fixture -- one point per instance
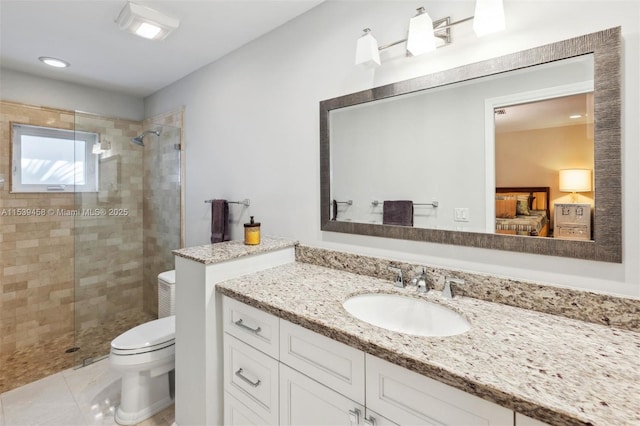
(421, 38)
(575, 180)
(146, 22)
(425, 35)
(54, 62)
(367, 52)
(488, 17)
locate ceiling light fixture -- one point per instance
(425, 35)
(54, 62)
(146, 22)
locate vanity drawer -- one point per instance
(406, 397)
(251, 377)
(238, 414)
(334, 364)
(253, 326)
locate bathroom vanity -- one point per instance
(293, 353)
(263, 337)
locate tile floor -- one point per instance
(82, 397)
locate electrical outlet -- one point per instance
(461, 214)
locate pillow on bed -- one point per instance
(522, 206)
(506, 208)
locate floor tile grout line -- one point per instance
(73, 395)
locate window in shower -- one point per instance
(46, 159)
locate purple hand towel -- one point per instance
(219, 221)
(397, 213)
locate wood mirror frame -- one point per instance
(606, 245)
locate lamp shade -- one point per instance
(421, 38)
(488, 17)
(575, 180)
(367, 53)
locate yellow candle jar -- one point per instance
(252, 233)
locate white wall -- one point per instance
(34, 90)
(251, 125)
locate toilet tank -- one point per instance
(166, 293)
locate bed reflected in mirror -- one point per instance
(534, 142)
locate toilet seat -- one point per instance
(148, 337)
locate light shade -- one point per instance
(575, 180)
(421, 39)
(367, 53)
(488, 17)
(146, 22)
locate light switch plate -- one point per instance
(461, 214)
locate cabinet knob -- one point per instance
(354, 416)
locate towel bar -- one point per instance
(376, 203)
(335, 207)
(246, 202)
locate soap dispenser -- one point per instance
(252, 233)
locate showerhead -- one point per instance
(138, 140)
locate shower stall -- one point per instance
(84, 269)
(126, 239)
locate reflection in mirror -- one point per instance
(448, 144)
(534, 142)
(430, 146)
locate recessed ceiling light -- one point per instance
(54, 62)
(576, 116)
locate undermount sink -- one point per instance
(406, 314)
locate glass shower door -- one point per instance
(117, 226)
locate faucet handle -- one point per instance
(420, 281)
(448, 292)
(399, 282)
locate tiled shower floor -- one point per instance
(86, 396)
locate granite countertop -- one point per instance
(558, 370)
(221, 252)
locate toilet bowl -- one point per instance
(145, 357)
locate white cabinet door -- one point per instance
(251, 377)
(253, 326)
(522, 420)
(238, 414)
(303, 401)
(328, 361)
(409, 398)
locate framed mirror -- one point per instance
(456, 143)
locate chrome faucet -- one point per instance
(399, 282)
(420, 281)
(448, 291)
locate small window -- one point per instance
(53, 160)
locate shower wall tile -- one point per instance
(36, 262)
(162, 203)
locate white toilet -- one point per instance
(145, 356)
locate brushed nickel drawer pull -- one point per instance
(239, 323)
(252, 383)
